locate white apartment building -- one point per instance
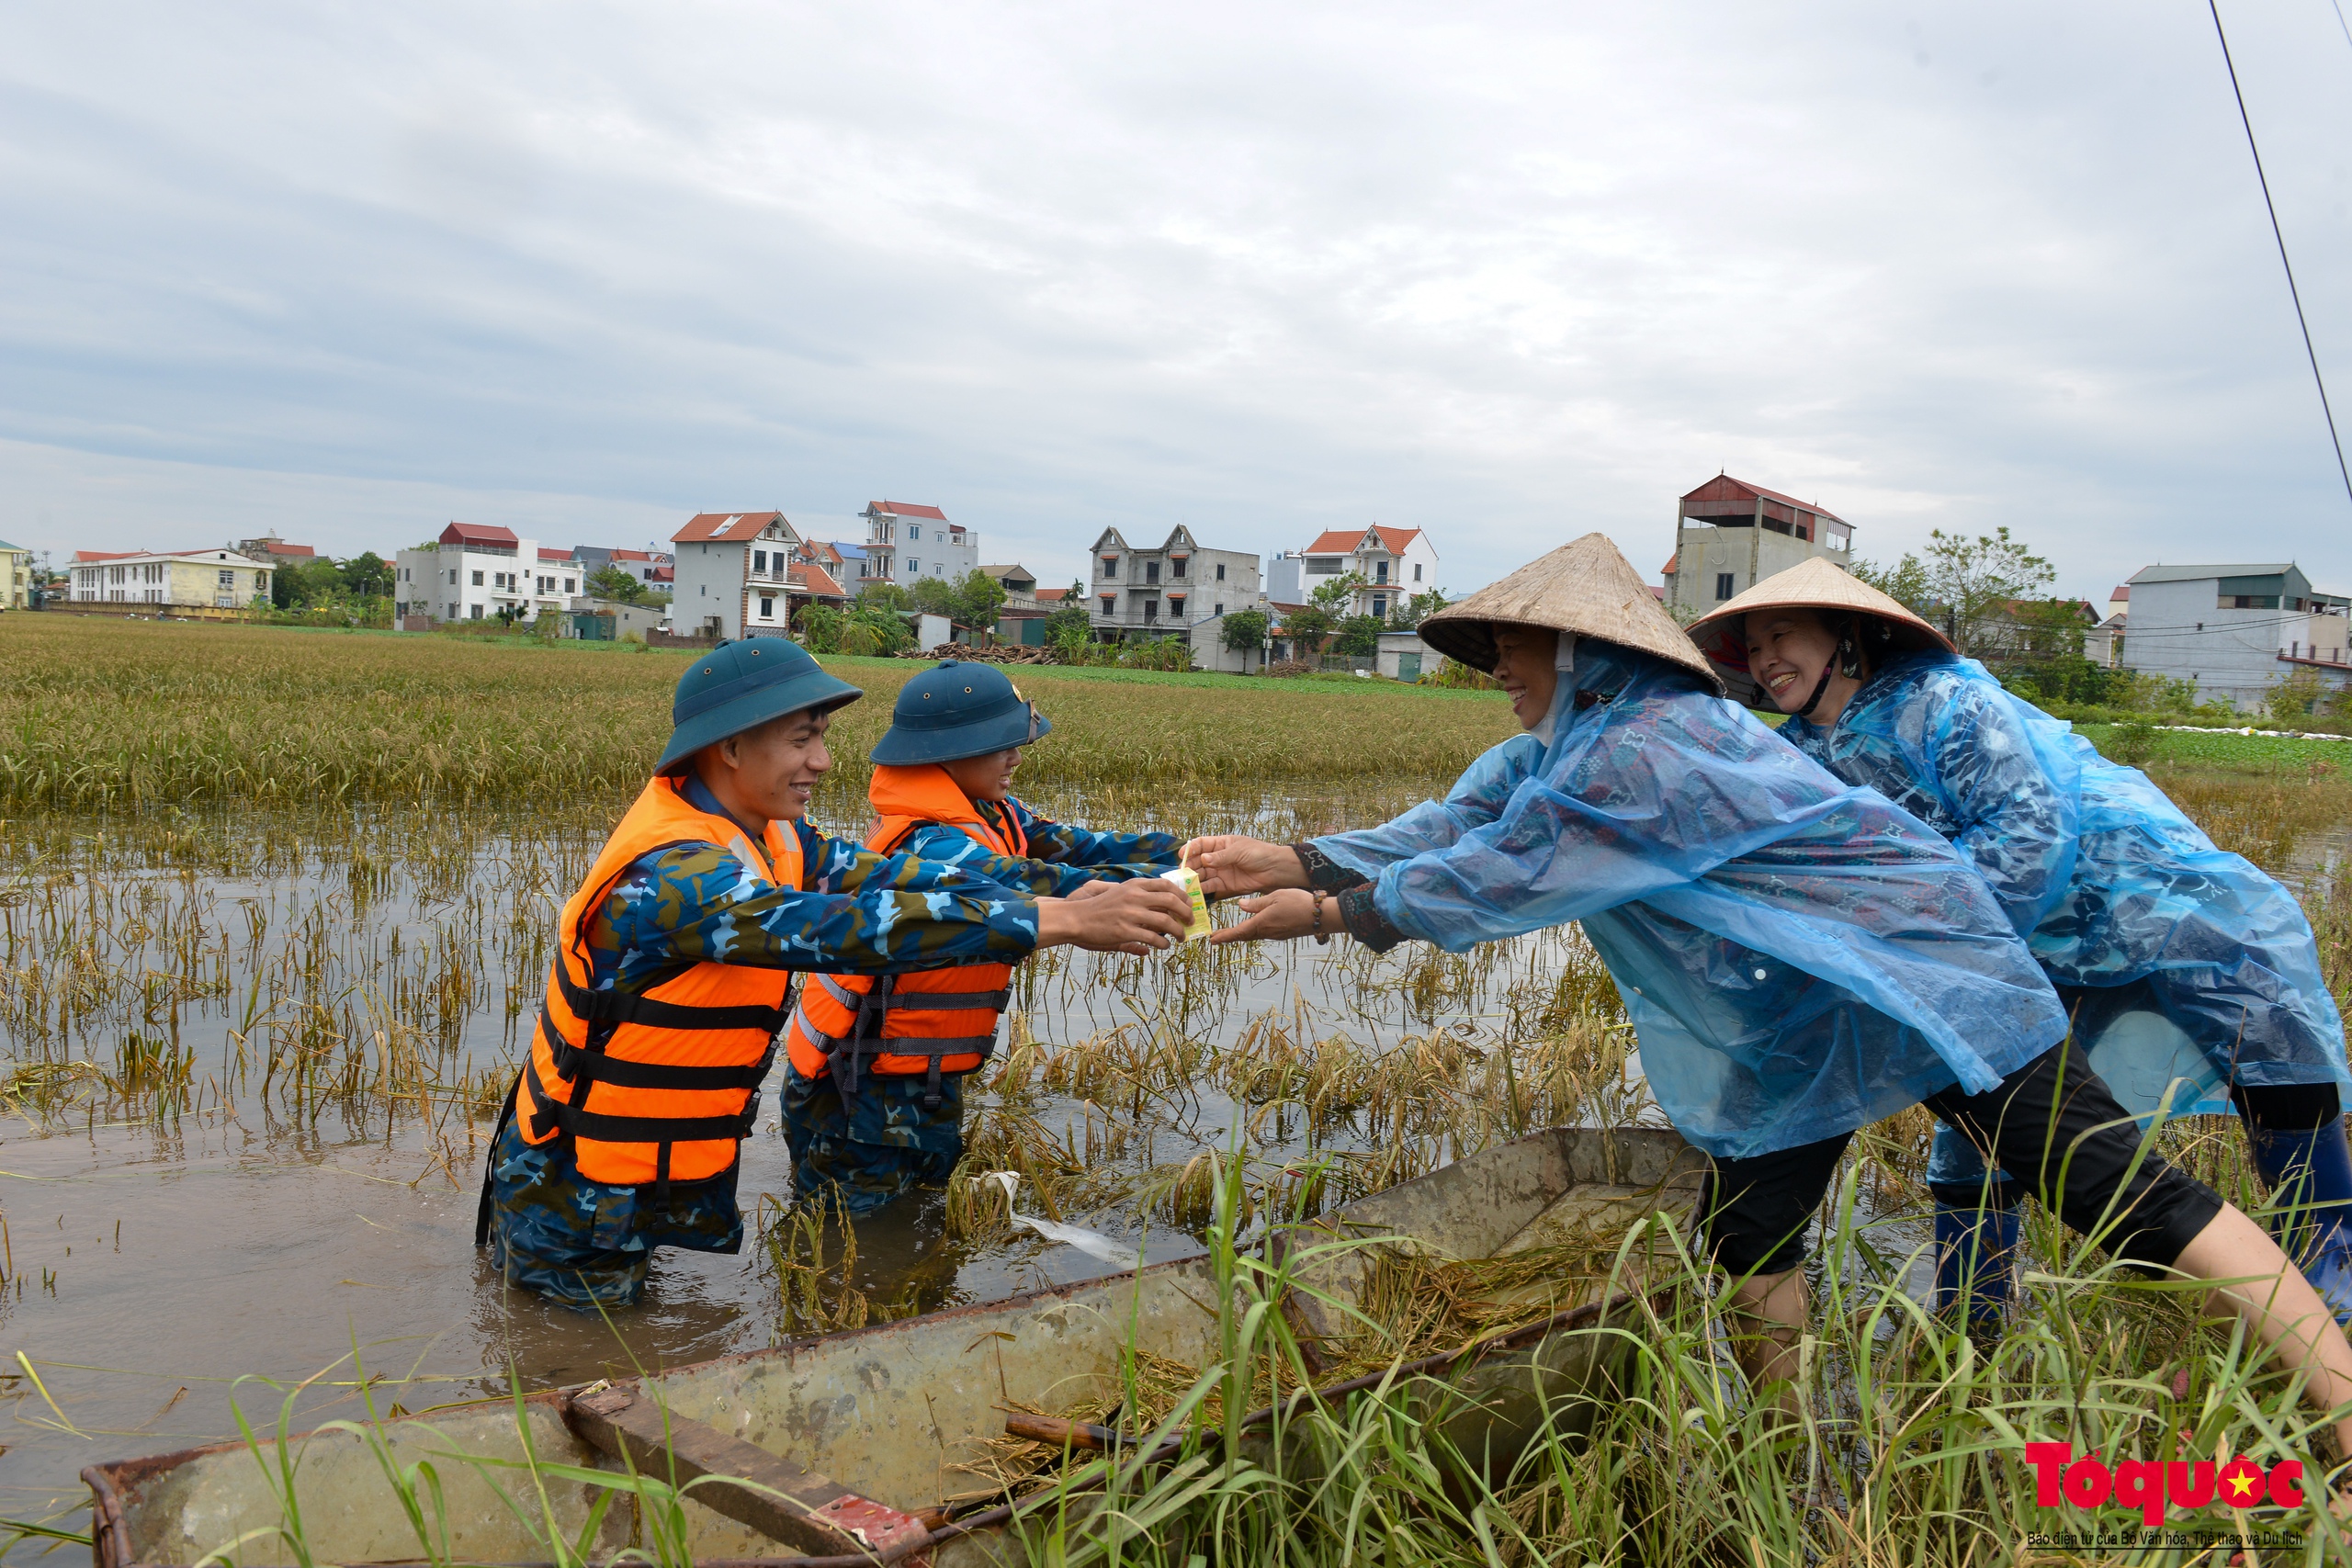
(733, 575)
(905, 542)
(1395, 563)
(1165, 589)
(1730, 535)
(198, 581)
(475, 569)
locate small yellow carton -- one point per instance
(1185, 877)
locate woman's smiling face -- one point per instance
(1524, 657)
(1787, 651)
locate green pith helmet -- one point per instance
(955, 711)
(740, 685)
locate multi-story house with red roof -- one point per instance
(906, 542)
(475, 570)
(735, 575)
(1395, 563)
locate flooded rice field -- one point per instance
(253, 1062)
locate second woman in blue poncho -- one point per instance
(2192, 979)
(1798, 957)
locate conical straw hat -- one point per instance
(1816, 584)
(1585, 587)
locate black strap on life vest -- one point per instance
(846, 1056)
(555, 1115)
(615, 1007)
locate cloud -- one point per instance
(1505, 273)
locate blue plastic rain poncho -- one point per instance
(2179, 961)
(1798, 957)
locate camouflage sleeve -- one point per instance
(940, 844)
(696, 903)
(1121, 855)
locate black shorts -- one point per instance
(2065, 1138)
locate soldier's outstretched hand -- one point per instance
(1146, 915)
(1229, 865)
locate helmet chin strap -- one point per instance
(1820, 688)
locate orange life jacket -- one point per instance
(948, 1018)
(656, 1087)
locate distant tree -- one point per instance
(1306, 626)
(1905, 581)
(936, 596)
(617, 582)
(979, 598)
(886, 596)
(1245, 630)
(1359, 637)
(1071, 619)
(1334, 597)
(295, 585)
(1973, 584)
(1410, 612)
(368, 576)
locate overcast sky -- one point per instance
(1505, 272)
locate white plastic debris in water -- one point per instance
(1094, 1243)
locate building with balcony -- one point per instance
(202, 582)
(1395, 563)
(905, 542)
(1164, 590)
(1730, 535)
(473, 572)
(735, 575)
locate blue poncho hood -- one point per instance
(2195, 968)
(1798, 957)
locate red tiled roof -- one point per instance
(282, 549)
(2123, 592)
(815, 578)
(1343, 541)
(906, 509)
(722, 525)
(1671, 562)
(635, 555)
(86, 555)
(547, 554)
(663, 574)
(479, 534)
(1050, 595)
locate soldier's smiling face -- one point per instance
(769, 774)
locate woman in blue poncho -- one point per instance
(1798, 957)
(2188, 973)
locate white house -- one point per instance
(905, 542)
(1396, 564)
(2236, 631)
(474, 570)
(734, 575)
(206, 582)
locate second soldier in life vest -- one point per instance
(673, 967)
(873, 1092)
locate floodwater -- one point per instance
(251, 1067)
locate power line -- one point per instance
(2280, 235)
(2340, 21)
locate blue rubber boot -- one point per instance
(1977, 1244)
(2309, 1176)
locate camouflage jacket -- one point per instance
(853, 913)
(1061, 858)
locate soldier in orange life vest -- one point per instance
(873, 1097)
(674, 975)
